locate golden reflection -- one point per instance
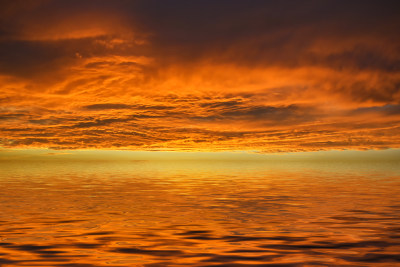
(124, 213)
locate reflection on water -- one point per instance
(154, 213)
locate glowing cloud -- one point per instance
(200, 75)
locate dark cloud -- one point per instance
(30, 58)
(350, 144)
(137, 107)
(381, 89)
(11, 116)
(386, 110)
(107, 106)
(238, 111)
(256, 32)
(222, 104)
(100, 122)
(270, 32)
(360, 57)
(264, 112)
(27, 59)
(44, 121)
(153, 107)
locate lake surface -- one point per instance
(204, 213)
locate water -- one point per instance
(187, 213)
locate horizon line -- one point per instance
(112, 154)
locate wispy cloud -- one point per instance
(200, 75)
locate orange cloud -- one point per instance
(141, 76)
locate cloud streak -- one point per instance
(200, 75)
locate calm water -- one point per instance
(155, 213)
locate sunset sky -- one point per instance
(201, 75)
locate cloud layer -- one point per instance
(200, 75)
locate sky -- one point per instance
(215, 76)
(368, 158)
